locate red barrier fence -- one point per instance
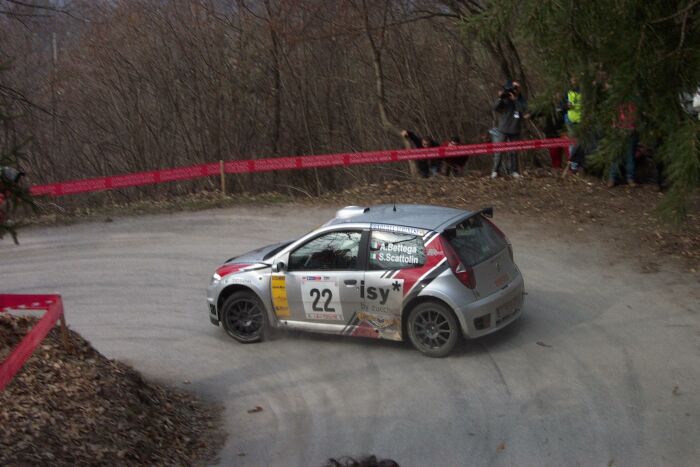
(54, 311)
(288, 163)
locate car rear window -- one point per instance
(475, 240)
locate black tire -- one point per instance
(433, 329)
(244, 317)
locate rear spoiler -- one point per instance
(486, 212)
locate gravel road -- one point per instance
(602, 369)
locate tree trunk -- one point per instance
(375, 49)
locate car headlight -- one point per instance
(215, 278)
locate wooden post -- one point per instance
(567, 166)
(223, 178)
(64, 334)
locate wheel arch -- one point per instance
(229, 290)
(417, 301)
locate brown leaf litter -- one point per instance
(80, 408)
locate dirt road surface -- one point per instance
(602, 369)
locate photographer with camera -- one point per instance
(512, 109)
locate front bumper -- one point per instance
(212, 294)
(493, 312)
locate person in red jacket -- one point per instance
(627, 122)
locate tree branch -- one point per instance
(680, 12)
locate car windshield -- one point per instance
(475, 240)
(276, 250)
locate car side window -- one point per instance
(391, 250)
(334, 251)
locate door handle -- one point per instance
(350, 282)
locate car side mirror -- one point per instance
(279, 267)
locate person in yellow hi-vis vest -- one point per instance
(573, 119)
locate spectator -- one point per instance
(594, 103)
(691, 103)
(426, 167)
(10, 175)
(627, 123)
(453, 165)
(573, 119)
(552, 115)
(649, 167)
(9, 178)
(512, 107)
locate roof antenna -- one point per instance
(394, 205)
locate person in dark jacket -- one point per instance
(9, 178)
(453, 165)
(512, 109)
(551, 117)
(426, 167)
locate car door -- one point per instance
(323, 277)
(393, 256)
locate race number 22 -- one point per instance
(317, 294)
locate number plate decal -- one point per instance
(506, 310)
(321, 298)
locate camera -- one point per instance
(10, 174)
(507, 91)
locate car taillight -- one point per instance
(500, 233)
(463, 273)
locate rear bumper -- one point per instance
(494, 312)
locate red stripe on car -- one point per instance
(432, 260)
(227, 269)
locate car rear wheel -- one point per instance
(244, 317)
(433, 329)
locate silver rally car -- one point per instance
(425, 273)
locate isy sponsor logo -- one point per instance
(378, 293)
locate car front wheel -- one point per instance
(244, 317)
(433, 329)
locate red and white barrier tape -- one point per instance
(288, 163)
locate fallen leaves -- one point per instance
(82, 408)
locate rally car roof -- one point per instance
(421, 216)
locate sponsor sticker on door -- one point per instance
(279, 297)
(381, 297)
